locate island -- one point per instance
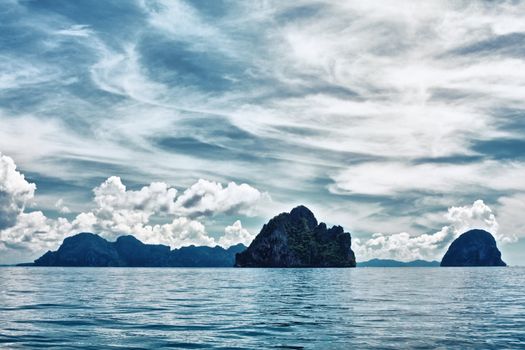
(473, 248)
(295, 239)
(90, 250)
(397, 263)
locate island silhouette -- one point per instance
(293, 239)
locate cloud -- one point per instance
(479, 215)
(120, 73)
(61, 207)
(155, 198)
(36, 233)
(181, 232)
(388, 178)
(15, 192)
(235, 234)
(405, 247)
(77, 30)
(121, 211)
(510, 211)
(208, 197)
(154, 214)
(190, 26)
(18, 73)
(367, 105)
(408, 99)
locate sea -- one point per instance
(232, 308)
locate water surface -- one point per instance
(134, 308)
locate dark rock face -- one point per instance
(88, 249)
(295, 239)
(473, 248)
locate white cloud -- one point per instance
(189, 26)
(121, 74)
(208, 197)
(389, 178)
(479, 215)
(17, 73)
(15, 192)
(181, 232)
(61, 207)
(396, 59)
(235, 234)
(112, 195)
(405, 247)
(35, 232)
(118, 211)
(77, 30)
(510, 211)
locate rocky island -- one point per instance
(295, 239)
(473, 248)
(88, 249)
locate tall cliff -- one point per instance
(295, 239)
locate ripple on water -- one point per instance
(262, 308)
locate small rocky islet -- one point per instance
(473, 248)
(293, 239)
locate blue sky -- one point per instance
(195, 122)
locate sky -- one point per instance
(196, 122)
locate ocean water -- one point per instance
(388, 308)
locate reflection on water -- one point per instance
(90, 308)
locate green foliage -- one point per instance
(312, 250)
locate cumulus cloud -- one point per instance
(235, 234)
(112, 195)
(35, 232)
(121, 211)
(15, 192)
(61, 207)
(478, 215)
(118, 211)
(208, 197)
(181, 232)
(124, 211)
(405, 247)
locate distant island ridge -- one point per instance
(293, 239)
(397, 263)
(88, 249)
